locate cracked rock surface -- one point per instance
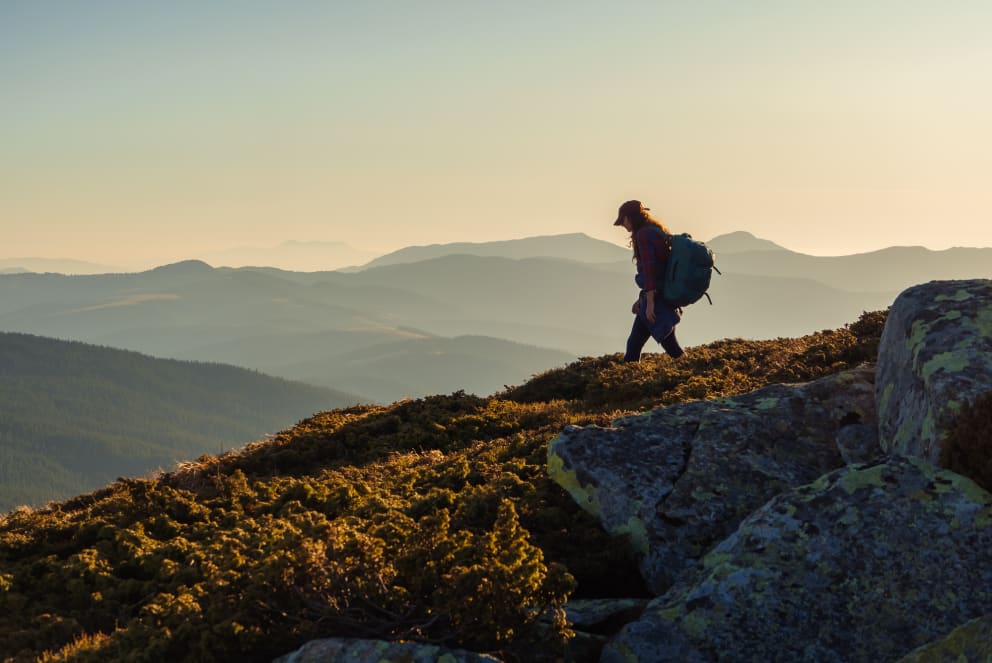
(865, 564)
(678, 480)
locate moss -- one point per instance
(638, 532)
(694, 624)
(946, 361)
(959, 296)
(586, 497)
(859, 479)
(917, 333)
(983, 322)
(904, 435)
(883, 403)
(969, 642)
(928, 428)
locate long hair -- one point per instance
(640, 219)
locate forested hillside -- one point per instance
(430, 519)
(75, 416)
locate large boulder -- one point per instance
(935, 355)
(865, 564)
(356, 650)
(678, 480)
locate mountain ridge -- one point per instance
(73, 415)
(576, 246)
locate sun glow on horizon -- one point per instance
(134, 135)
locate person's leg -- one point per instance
(671, 346)
(663, 330)
(639, 335)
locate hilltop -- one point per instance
(572, 246)
(430, 519)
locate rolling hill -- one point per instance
(575, 246)
(75, 416)
(888, 270)
(293, 255)
(288, 323)
(57, 265)
(416, 367)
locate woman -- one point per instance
(650, 240)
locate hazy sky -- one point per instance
(133, 132)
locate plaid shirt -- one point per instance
(653, 248)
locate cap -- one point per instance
(629, 208)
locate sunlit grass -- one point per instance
(431, 519)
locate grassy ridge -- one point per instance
(75, 416)
(430, 519)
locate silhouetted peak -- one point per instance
(741, 241)
(183, 267)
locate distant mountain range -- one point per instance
(886, 270)
(408, 323)
(274, 321)
(56, 265)
(576, 246)
(75, 416)
(293, 255)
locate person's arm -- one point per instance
(648, 264)
(647, 260)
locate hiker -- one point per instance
(651, 242)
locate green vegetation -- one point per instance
(430, 519)
(74, 417)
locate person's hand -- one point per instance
(637, 305)
(649, 313)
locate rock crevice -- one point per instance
(680, 479)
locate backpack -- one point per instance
(690, 265)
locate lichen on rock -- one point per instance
(935, 355)
(867, 563)
(679, 479)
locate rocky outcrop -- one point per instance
(865, 564)
(376, 651)
(809, 522)
(680, 479)
(935, 355)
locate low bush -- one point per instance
(431, 519)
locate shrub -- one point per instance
(429, 519)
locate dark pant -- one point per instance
(663, 331)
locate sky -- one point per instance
(143, 133)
